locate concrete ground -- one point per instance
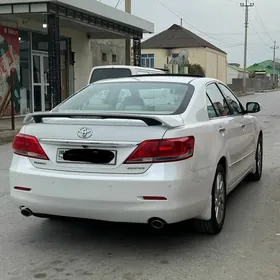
(248, 247)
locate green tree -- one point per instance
(196, 69)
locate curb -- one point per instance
(269, 90)
(7, 136)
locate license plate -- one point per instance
(60, 159)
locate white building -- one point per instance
(234, 72)
(162, 48)
(59, 43)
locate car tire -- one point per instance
(218, 211)
(254, 177)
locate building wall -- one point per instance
(252, 85)
(222, 67)
(212, 65)
(81, 47)
(196, 55)
(113, 48)
(88, 53)
(234, 74)
(213, 62)
(231, 74)
(216, 65)
(159, 54)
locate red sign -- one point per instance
(9, 70)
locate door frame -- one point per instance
(41, 54)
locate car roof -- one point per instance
(161, 78)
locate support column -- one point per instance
(128, 41)
(137, 52)
(54, 59)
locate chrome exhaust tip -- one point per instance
(157, 223)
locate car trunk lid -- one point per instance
(94, 143)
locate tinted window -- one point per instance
(109, 73)
(231, 100)
(212, 113)
(217, 100)
(131, 97)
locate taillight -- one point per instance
(163, 150)
(28, 146)
(24, 189)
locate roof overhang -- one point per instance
(97, 16)
(238, 69)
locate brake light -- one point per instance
(163, 150)
(28, 146)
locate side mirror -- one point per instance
(252, 107)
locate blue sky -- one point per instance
(220, 22)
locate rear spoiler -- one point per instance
(165, 120)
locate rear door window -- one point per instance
(109, 73)
(212, 113)
(150, 98)
(218, 102)
(232, 101)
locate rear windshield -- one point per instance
(109, 73)
(149, 98)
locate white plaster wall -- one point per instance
(216, 65)
(160, 56)
(110, 47)
(83, 56)
(231, 74)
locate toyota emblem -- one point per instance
(84, 133)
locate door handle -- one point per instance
(221, 129)
(243, 126)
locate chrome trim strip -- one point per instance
(104, 144)
(242, 158)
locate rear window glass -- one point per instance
(109, 73)
(131, 97)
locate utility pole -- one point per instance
(181, 22)
(274, 63)
(128, 41)
(246, 5)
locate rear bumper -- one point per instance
(107, 197)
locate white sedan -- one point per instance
(156, 149)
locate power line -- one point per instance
(262, 24)
(237, 45)
(234, 46)
(182, 19)
(261, 39)
(239, 34)
(118, 3)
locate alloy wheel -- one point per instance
(219, 198)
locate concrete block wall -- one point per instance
(108, 48)
(251, 84)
